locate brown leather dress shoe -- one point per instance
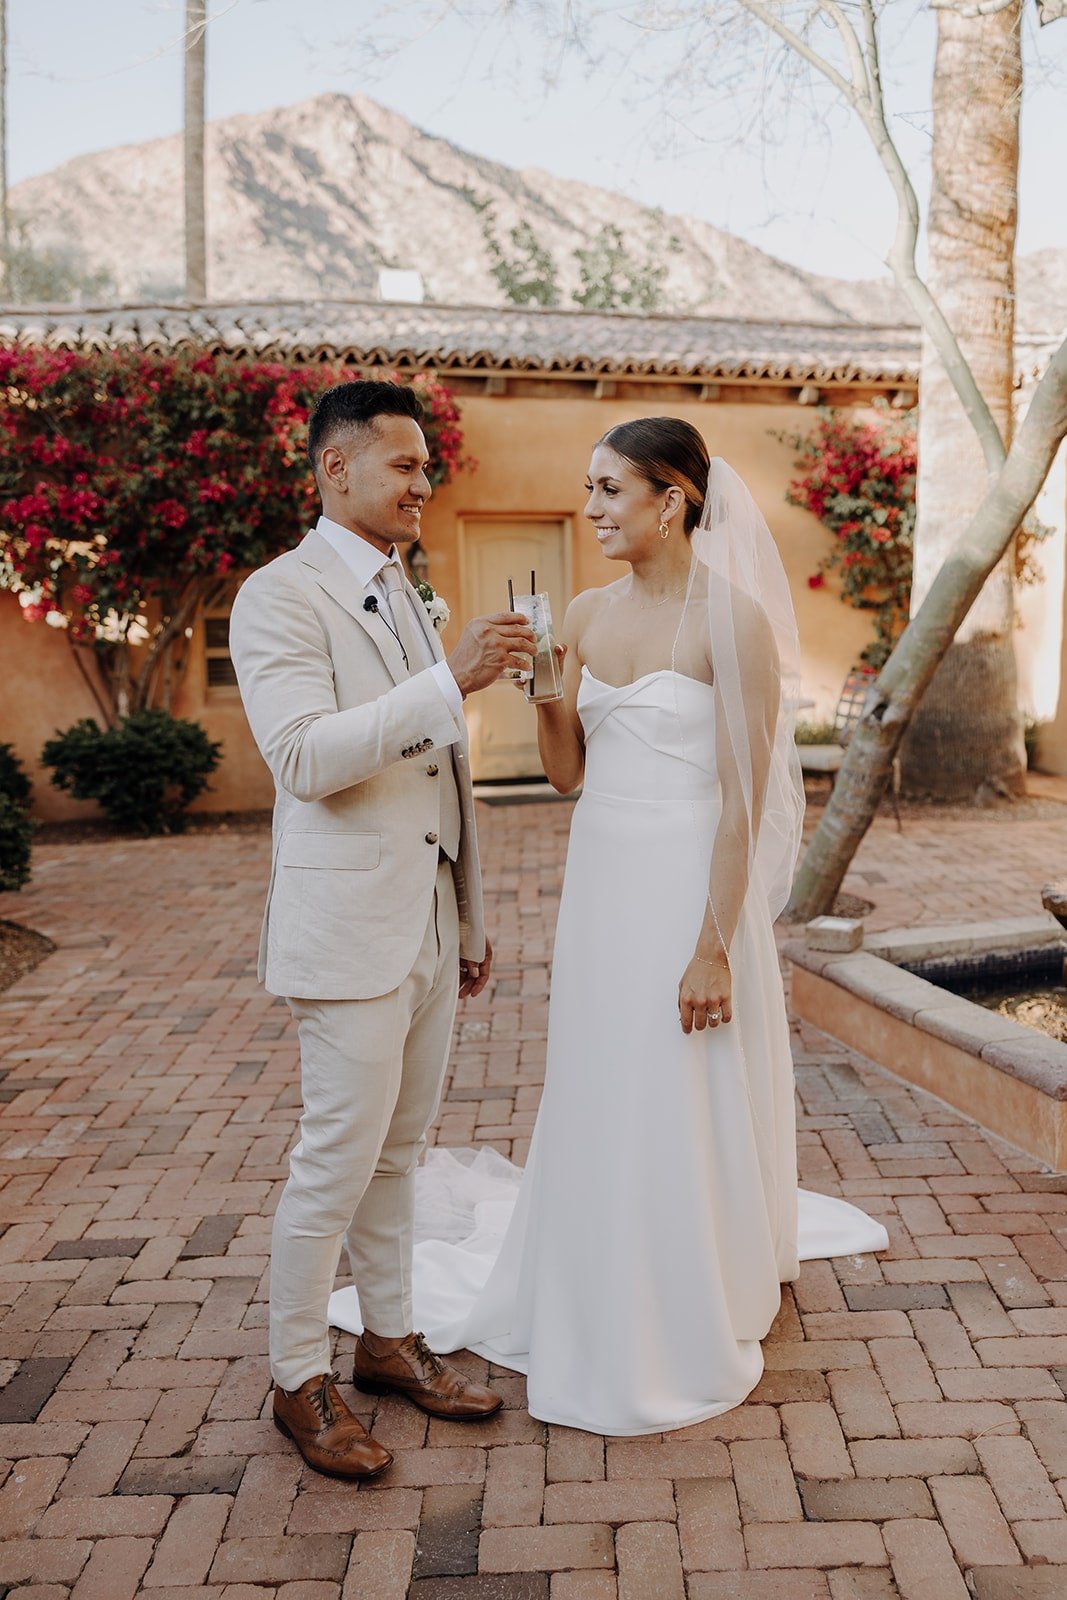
(328, 1436)
(413, 1370)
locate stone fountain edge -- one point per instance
(1006, 1076)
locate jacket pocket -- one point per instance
(351, 852)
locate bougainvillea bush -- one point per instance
(858, 477)
(132, 484)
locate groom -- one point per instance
(373, 923)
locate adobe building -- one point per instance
(536, 389)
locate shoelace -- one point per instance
(320, 1399)
(426, 1355)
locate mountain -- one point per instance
(310, 200)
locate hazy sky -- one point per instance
(90, 74)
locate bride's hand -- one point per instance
(520, 683)
(704, 994)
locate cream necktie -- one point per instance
(413, 641)
(417, 648)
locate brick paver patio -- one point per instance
(909, 1437)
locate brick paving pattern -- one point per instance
(909, 1437)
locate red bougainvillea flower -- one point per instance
(128, 477)
(858, 478)
(172, 513)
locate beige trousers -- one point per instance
(371, 1073)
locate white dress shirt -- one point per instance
(366, 561)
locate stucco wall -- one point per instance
(41, 692)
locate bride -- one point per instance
(633, 1266)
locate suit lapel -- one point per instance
(429, 631)
(342, 585)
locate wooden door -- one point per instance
(502, 726)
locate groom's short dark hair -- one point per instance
(348, 407)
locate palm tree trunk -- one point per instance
(195, 222)
(966, 737)
(5, 214)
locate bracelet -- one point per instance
(705, 963)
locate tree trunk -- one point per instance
(195, 222)
(900, 685)
(5, 214)
(966, 738)
(120, 682)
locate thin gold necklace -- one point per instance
(673, 594)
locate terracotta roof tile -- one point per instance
(493, 339)
(506, 339)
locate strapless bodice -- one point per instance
(650, 740)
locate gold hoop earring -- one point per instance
(664, 529)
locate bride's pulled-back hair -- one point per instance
(667, 453)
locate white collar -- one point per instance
(364, 559)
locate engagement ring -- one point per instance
(714, 1016)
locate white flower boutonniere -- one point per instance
(436, 608)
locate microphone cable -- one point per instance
(371, 604)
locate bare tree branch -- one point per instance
(102, 705)
(864, 94)
(797, 42)
(174, 625)
(866, 88)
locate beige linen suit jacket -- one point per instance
(354, 745)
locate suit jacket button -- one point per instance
(433, 769)
(431, 838)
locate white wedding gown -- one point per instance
(633, 1266)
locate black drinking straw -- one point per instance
(533, 658)
(511, 595)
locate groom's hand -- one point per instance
(474, 975)
(490, 646)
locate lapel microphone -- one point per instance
(371, 604)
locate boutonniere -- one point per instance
(436, 608)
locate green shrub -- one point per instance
(816, 733)
(17, 827)
(144, 773)
(13, 780)
(16, 836)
